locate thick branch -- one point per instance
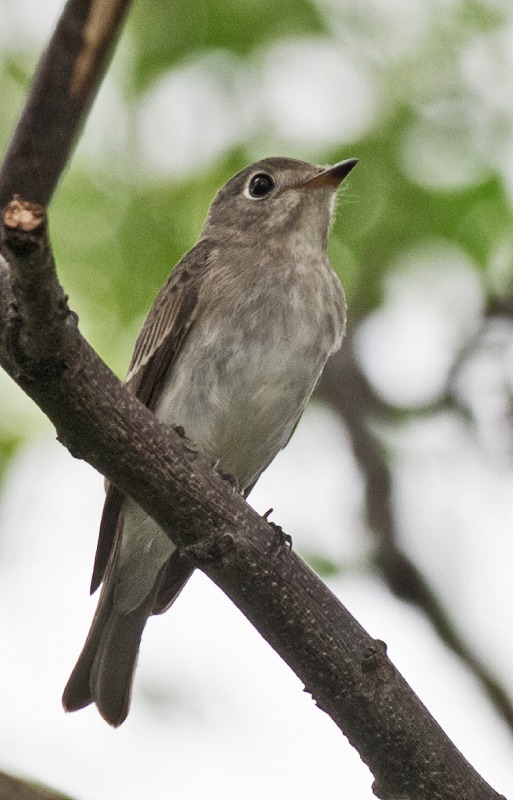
(64, 87)
(346, 671)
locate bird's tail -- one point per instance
(105, 668)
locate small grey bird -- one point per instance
(231, 350)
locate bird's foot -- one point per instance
(283, 540)
(227, 476)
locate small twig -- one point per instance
(36, 335)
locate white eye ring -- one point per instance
(259, 186)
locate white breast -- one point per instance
(241, 383)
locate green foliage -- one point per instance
(9, 443)
(323, 566)
(14, 78)
(166, 32)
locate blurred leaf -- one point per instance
(13, 88)
(9, 443)
(19, 69)
(324, 567)
(165, 32)
(482, 16)
(387, 213)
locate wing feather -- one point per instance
(156, 349)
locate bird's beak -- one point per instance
(332, 176)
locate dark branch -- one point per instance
(347, 672)
(36, 336)
(63, 88)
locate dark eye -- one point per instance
(260, 185)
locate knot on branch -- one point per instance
(20, 219)
(39, 328)
(377, 669)
(211, 550)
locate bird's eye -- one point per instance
(260, 185)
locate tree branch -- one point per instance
(62, 91)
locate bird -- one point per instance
(230, 353)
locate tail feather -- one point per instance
(77, 692)
(105, 668)
(113, 668)
(173, 578)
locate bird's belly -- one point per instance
(239, 404)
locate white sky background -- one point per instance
(215, 712)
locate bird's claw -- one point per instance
(227, 476)
(283, 540)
